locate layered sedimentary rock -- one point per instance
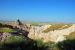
(55, 35)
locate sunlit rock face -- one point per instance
(36, 32)
(27, 27)
(18, 24)
(55, 36)
(22, 28)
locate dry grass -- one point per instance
(57, 27)
(6, 29)
(71, 36)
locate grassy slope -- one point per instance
(71, 36)
(6, 29)
(56, 27)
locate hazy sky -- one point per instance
(38, 10)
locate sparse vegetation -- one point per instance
(14, 39)
(71, 36)
(5, 25)
(6, 30)
(46, 45)
(36, 24)
(15, 42)
(20, 42)
(66, 26)
(57, 27)
(67, 45)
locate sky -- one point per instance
(38, 10)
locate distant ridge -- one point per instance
(5, 21)
(44, 22)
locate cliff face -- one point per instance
(36, 32)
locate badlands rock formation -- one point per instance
(36, 32)
(20, 27)
(55, 36)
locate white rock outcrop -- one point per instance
(55, 36)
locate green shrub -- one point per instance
(67, 45)
(46, 45)
(13, 42)
(14, 39)
(40, 43)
